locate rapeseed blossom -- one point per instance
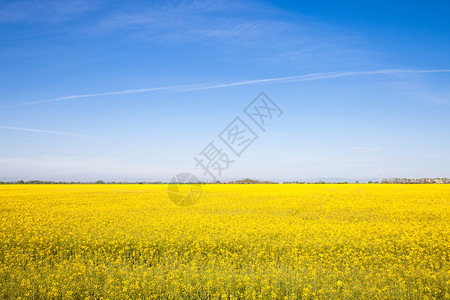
(238, 242)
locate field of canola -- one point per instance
(322, 241)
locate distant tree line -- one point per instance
(78, 182)
(416, 181)
(317, 182)
(248, 181)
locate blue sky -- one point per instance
(133, 90)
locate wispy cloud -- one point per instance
(47, 131)
(256, 32)
(253, 31)
(44, 11)
(190, 21)
(197, 87)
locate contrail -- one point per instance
(123, 92)
(197, 87)
(47, 131)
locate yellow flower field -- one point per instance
(320, 241)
